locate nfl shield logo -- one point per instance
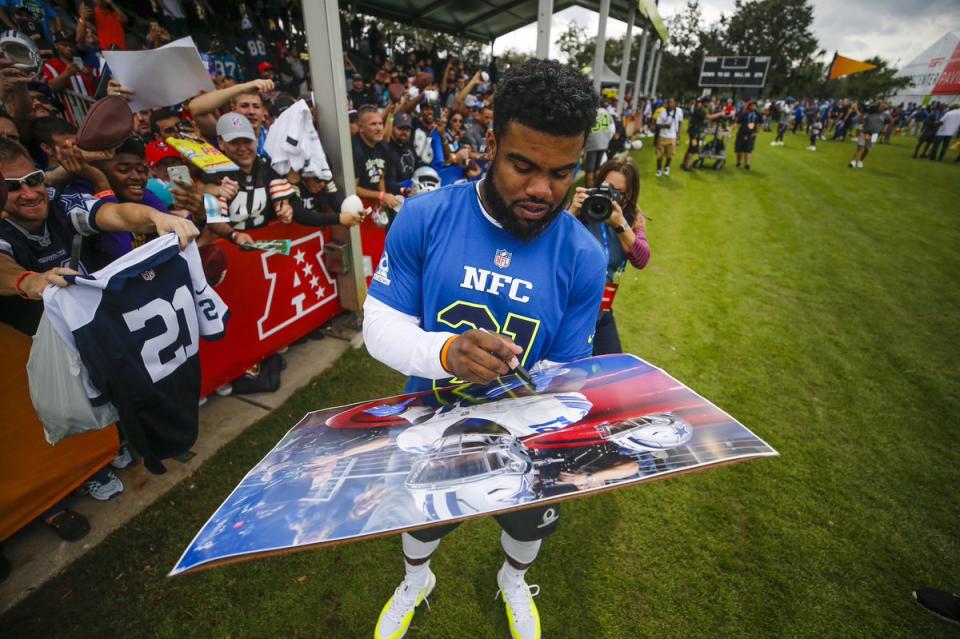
(502, 258)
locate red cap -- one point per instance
(158, 150)
(264, 66)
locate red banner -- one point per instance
(274, 300)
(949, 81)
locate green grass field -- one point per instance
(819, 305)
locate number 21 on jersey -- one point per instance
(522, 330)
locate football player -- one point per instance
(468, 265)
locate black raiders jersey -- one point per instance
(136, 326)
(253, 205)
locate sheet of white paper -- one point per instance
(161, 77)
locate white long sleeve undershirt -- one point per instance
(397, 340)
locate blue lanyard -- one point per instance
(606, 252)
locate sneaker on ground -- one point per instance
(811, 148)
(398, 612)
(666, 171)
(104, 490)
(225, 390)
(202, 401)
(859, 164)
(852, 164)
(945, 605)
(124, 458)
(522, 614)
(659, 172)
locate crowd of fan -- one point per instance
(417, 119)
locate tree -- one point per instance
(779, 29)
(683, 54)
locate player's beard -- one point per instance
(502, 211)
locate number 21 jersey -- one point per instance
(448, 263)
(135, 326)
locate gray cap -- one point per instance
(232, 126)
(402, 120)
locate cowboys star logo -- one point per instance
(502, 258)
(299, 284)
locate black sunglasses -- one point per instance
(34, 178)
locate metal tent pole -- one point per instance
(625, 64)
(656, 72)
(544, 18)
(601, 44)
(638, 81)
(322, 24)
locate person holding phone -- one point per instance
(66, 71)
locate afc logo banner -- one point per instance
(299, 284)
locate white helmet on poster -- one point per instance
(470, 473)
(649, 433)
(425, 179)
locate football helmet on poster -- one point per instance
(648, 433)
(469, 473)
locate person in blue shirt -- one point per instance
(477, 278)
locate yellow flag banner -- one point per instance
(843, 67)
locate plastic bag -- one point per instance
(58, 389)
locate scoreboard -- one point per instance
(734, 71)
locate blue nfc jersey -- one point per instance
(136, 326)
(448, 263)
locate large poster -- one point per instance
(413, 461)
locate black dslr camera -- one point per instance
(599, 203)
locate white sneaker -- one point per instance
(398, 612)
(522, 614)
(666, 171)
(102, 491)
(123, 459)
(859, 164)
(811, 148)
(659, 172)
(225, 390)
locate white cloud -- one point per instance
(896, 30)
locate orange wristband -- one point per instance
(445, 350)
(21, 293)
(381, 196)
(103, 194)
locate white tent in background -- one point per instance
(934, 74)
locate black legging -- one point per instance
(940, 143)
(606, 340)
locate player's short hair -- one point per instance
(11, 151)
(43, 129)
(164, 113)
(131, 146)
(546, 96)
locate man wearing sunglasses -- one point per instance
(36, 236)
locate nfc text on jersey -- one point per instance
(480, 279)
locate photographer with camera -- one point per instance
(610, 213)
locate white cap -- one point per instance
(232, 126)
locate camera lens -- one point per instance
(597, 208)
